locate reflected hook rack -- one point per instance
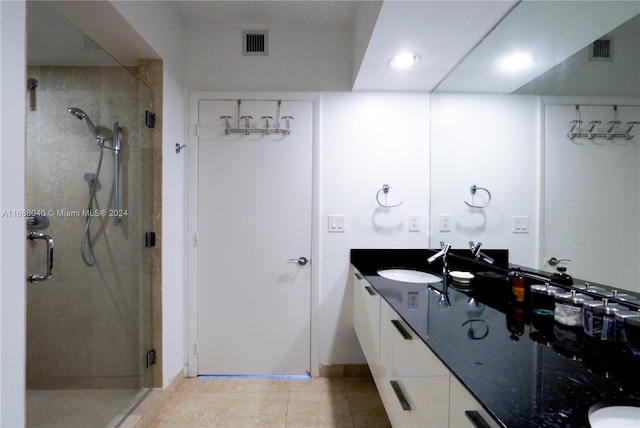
(385, 189)
(473, 189)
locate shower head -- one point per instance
(82, 115)
(90, 178)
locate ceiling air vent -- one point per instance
(601, 50)
(255, 43)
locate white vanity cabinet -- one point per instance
(366, 319)
(463, 408)
(416, 388)
(414, 384)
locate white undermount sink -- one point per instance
(409, 275)
(615, 416)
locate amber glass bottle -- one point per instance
(516, 280)
(561, 276)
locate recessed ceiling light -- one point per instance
(404, 60)
(516, 61)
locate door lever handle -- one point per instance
(33, 236)
(300, 260)
(553, 261)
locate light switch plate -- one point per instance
(337, 223)
(520, 224)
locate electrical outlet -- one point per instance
(413, 300)
(414, 222)
(445, 222)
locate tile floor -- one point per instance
(264, 403)
(79, 408)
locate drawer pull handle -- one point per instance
(400, 395)
(476, 419)
(357, 275)
(370, 290)
(403, 331)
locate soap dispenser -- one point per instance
(561, 276)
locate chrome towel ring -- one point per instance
(385, 189)
(473, 189)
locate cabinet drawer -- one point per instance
(411, 356)
(464, 407)
(417, 401)
(366, 318)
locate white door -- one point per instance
(592, 202)
(254, 215)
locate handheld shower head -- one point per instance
(82, 115)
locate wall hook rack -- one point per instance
(609, 132)
(473, 189)
(246, 128)
(385, 189)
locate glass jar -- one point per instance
(604, 320)
(568, 309)
(587, 315)
(543, 298)
(628, 329)
(586, 287)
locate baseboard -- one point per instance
(344, 370)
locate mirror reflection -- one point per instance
(552, 196)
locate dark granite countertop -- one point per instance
(523, 377)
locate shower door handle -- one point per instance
(34, 236)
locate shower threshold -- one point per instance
(81, 408)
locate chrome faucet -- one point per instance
(443, 301)
(475, 250)
(441, 254)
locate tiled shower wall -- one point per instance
(89, 327)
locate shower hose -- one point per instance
(86, 248)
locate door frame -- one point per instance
(191, 250)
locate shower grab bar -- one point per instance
(33, 236)
(117, 141)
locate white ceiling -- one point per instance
(457, 41)
(296, 14)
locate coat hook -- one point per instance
(473, 189)
(385, 189)
(180, 147)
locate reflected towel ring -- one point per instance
(477, 333)
(473, 190)
(385, 189)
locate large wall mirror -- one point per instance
(580, 197)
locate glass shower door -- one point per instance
(89, 324)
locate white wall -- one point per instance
(161, 28)
(311, 60)
(492, 141)
(12, 226)
(366, 140)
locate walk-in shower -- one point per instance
(89, 326)
(86, 246)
